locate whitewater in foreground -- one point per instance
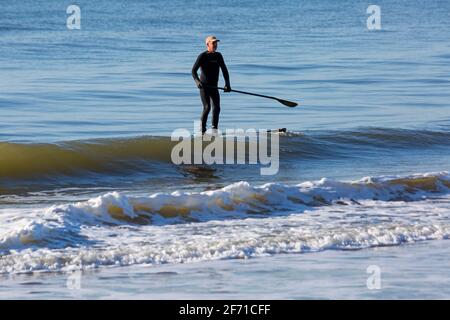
(238, 221)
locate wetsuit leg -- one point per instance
(215, 97)
(206, 100)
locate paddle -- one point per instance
(285, 102)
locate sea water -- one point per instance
(87, 184)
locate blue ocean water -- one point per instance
(86, 115)
(127, 71)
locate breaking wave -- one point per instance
(236, 221)
(37, 161)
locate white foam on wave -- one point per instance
(115, 229)
(356, 227)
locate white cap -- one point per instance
(211, 39)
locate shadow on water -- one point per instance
(199, 173)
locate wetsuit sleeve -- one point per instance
(196, 66)
(223, 66)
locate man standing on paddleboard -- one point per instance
(210, 61)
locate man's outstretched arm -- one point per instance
(226, 75)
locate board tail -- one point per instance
(283, 130)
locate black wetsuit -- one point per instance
(210, 64)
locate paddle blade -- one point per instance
(288, 103)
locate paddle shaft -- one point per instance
(244, 92)
(285, 102)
